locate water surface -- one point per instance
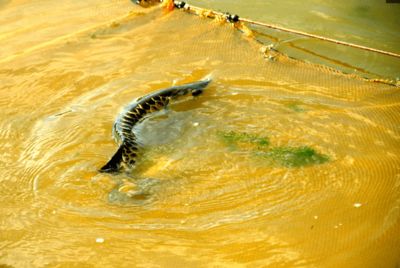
(279, 163)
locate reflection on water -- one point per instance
(278, 163)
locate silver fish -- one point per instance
(136, 112)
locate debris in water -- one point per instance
(99, 240)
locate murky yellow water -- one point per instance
(279, 164)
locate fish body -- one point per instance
(136, 112)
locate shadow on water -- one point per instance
(3, 3)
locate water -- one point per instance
(278, 163)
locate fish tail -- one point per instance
(114, 164)
(125, 155)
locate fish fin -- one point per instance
(114, 164)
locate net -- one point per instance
(279, 163)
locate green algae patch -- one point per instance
(293, 156)
(237, 140)
(295, 107)
(259, 146)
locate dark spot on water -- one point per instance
(114, 24)
(6, 266)
(3, 3)
(362, 9)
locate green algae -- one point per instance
(235, 139)
(259, 146)
(296, 107)
(293, 156)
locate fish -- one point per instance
(136, 112)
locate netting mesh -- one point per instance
(280, 162)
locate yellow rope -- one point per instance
(388, 53)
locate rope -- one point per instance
(235, 19)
